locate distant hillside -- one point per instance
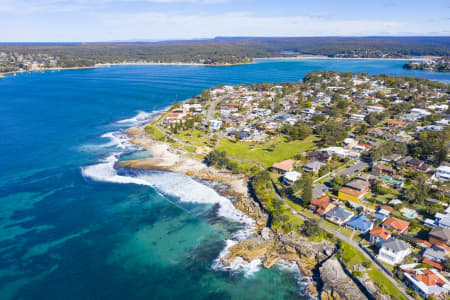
(221, 50)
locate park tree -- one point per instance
(331, 132)
(307, 190)
(418, 191)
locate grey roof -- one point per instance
(314, 165)
(434, 255)
(395, 245)
(358, 184)
(339, 213)
(440, 232)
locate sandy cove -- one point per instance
(165, 158)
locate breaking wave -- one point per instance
(178, 185)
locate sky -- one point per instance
(113, 20)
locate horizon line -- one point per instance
(225, 37)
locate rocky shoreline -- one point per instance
(314, 259)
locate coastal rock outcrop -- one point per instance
(337, 285)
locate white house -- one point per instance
(375, 108)
(357, 117)
(341, 152)
(393, 251)
(442, 173)
(421, 112)
(215, 124)
(291, 177)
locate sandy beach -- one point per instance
(164, 157)
(305, 57)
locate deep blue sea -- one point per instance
(71, 227)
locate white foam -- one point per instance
(181, 186)
(302, 281)
(116, 139)
(238, 264)
(141, 118)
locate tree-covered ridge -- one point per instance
(219, 51)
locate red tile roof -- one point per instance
(381, 232)
(396, 122)
(352, 192)
(429, 278)
(396, 224)
(426, 243)
(322, 202)
(432, 263)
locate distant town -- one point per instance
(358, 157)
(435, 65)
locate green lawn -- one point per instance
(258, 153)
(154, 132)
(351, 256)
(194, 137)
(298, 208)
(347, 232)
(331, 225)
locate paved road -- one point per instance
(212, 109)
(321, 188)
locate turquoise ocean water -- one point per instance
(71, 227)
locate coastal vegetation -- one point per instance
(218, 51)
(435, 65)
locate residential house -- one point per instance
(291, 177)
(393, 251)
(283, 166)
(396, 225)
(349, 194)
(424, 168)
(215, 125)
(391, 158)
(442, 173)
(360, 223)
(378, 235)
(357, 117)
(427, 282)
(341, 152)
(439, 237)
(434, 255)
(339, 215)
(396, 123)
(358, 185)
(382, 213)
(442, 220)
(319, 156)
(382, 169)
(321, 205)
(377, 108)
(313, 166)
(414, 164)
